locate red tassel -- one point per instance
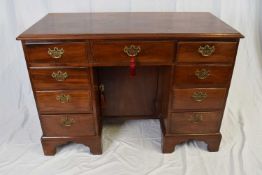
(132, 67)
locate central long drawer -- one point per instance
(145, 52)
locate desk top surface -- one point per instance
(125, 25)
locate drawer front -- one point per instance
(113, 53)
(202, 75)
(68, 125)
(66, 101)
(55, 79)
(63, 54)
(195, 122)
(206, 52)
(198, 98)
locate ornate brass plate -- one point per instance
(206, 50)
(132, 50)
(202, 73)
(199, 96)
(56, 53)
(60, 76)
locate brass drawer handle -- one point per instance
(206, 50)
(199, 96)
(56, 53)
(63, 98)
(132, 50)
(67, 122)
(60, 76)
(196, 118)
(202, 73)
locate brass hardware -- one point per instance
(202, 74)
(102, 95)
(63, 98)
(132, 50)
(206, 50)
(60, 76)
(101, 88)
(67, 122)
(55, 53)
(199, 96)
(196, 118)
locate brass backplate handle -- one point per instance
(67, 122)
(202, 73)
(196, 118)
(59, 75)
(56, 53)
(206, 50)
(63, 98)
(199, 96)
(132, 50)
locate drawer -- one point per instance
(60, 54)
(55, 79)
(68, 125)
(195, 122)
(206, 52)
(202, 75)
(64, 101)
(198, 98)
(151, 52)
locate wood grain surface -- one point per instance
(119, 25)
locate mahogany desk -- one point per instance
(85, 67)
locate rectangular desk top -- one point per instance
(128, 25)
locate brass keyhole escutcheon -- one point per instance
(202, 73)
(55, 53)
(199, 96)
(132, 50)
(206, 50)
(60, 76)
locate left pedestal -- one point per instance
(66, 94)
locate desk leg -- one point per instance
(50, 144)
(49, 147)
(170, 141)
(95, 145)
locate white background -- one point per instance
(132, 147)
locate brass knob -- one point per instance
(60, 76)
(55, 53)
(206, 50)
(202, 73)
(199, 96)
(67, 122)
(196, 118)
(63, 98)
(102, 88)
(132, 50)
